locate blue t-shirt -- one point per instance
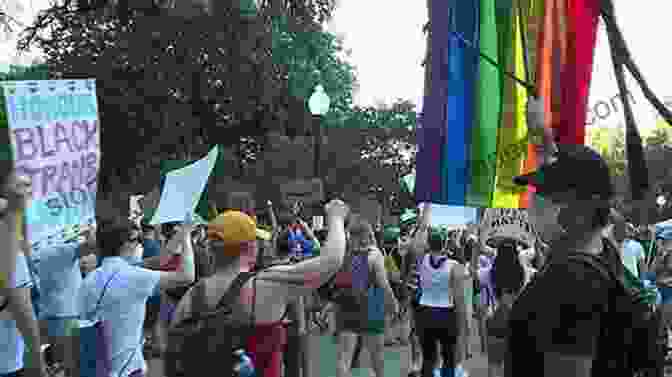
(60, 279)
(122, 309)
(11, 344)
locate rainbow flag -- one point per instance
(472, 136)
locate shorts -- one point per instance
(61, 326)
(360, 327)
(369, 320)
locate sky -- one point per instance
(387, 47)
(388, 53)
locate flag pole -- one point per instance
(530, 87)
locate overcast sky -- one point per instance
(387, 44)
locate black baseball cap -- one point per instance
(576, 167)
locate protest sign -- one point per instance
(183, 188)
(305, 191)
(498, 223)
(55, 134)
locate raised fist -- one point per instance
(337, 208)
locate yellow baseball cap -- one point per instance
(235, 227)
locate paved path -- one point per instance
(397, 360)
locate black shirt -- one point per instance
(564, 310)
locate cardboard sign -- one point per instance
(183, 188)
(55, 136)
(308, 192)
(499, 223)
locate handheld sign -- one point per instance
(499, 223)
(55, 137)
(183, 188)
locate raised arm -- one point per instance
(186, 272)
(419, 243)
(15, 193)
(541, 135)
(306, 276)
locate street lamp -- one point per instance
(661, 201)
(319, 105)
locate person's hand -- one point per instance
(535, 120)
(188, 225)
(337, 208)
(15, 193)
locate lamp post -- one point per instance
(661, 201)
(319, 105)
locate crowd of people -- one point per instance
(223, 295)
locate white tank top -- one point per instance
(435, 283)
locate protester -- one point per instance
(440, 308)
(564, 323)
(17, 316)
(116, 293)
(411, 279)
(441, 286)
(365, 299)
(662, 270)
(500, 284)
(232, 238)
(60, 280)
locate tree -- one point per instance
(15, 73)
(661, 135)
(9, 9)
(170, 86)
(365, 156)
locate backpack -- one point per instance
(348, 288)
(204, 266)
(641, 338)
(210, 338)
(497, 321)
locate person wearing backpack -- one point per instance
(576, 318)
(240, 310)
(362, 295)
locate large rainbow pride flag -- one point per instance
(472, 137)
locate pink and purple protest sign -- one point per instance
(55, 135)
